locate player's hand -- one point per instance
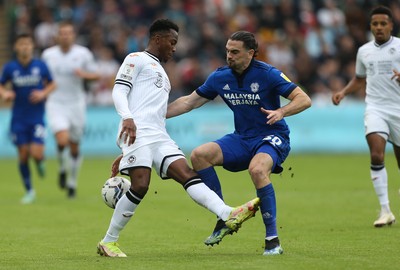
(80, 73)
(337, 97)
(115, 166)
(396, 76)
(273, 116)
(128, 132)
(37, 96)
(8, 95)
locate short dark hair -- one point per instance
(23, 35)
(162, 25)
(382, 10)
(249, 41)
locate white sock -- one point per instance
(207, 198)
(123, 212)
(380, 183)
(75, 164)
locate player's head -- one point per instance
(381, 24)
(66, 35)
(24, 46)
(163, 39)
(241, 48)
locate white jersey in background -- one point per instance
(69, 87)
(141, 92)
(376, 63)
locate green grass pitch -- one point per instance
(326, 207)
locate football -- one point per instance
(113, 189)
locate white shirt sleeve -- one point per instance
(360, 67)
(120, 97)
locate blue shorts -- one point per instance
(238, 151)
(24, 133)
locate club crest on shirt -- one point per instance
(35, 71)
(254, 87)
(159, 80)
(392, 51)
(131, 159)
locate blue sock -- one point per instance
(210, 178)
(26, 175)
(268, 209)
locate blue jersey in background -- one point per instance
(24, 80)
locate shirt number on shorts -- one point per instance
(40, 131)
(274, 140)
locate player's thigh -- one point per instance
(36, 151)
(180, 171)
(205, 155)
(396, 149)
(140, 179)
(23, 153)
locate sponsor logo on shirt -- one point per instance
(242, 99)
(284, 76)
(226, 87)
(127, 71)
(159, 80)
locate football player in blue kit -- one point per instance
(31, 82)
(260, 142)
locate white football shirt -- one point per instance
(62, 66)
(141, 92)
(376, 63)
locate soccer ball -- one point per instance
(113, 189)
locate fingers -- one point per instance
(128, 137)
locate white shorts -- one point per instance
(151, 152)
(387, 125)
(70, 117)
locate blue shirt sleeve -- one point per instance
(5, 75)
(207, 90)
(278, 81)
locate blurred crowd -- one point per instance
(313, 41)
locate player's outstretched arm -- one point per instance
(185, 104)
(354, 85)
(299, 101)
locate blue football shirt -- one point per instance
(24, 80)
(260, 85)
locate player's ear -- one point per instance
(251, 53)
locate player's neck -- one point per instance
(24, 60)
(65, 48)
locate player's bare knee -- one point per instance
(197, 155)
(140, 188)
(377, 158)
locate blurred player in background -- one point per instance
(31, 83)
(377, 70)
(140, 96)
(260, 143)
(71, 65)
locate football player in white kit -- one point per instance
(377, 69)
(70, 65)
(140, 96)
